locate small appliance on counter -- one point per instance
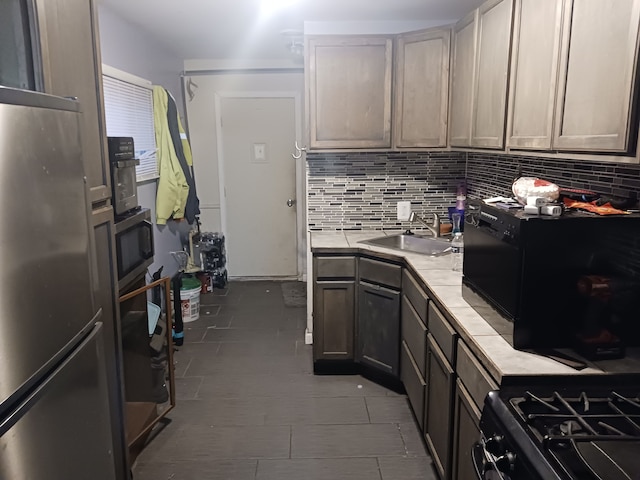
(522, 274)
(123, 174)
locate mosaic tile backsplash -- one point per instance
(490, 174)
(359, 190)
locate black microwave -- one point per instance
(134, 246)
(528, 275)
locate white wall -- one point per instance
(125, 47)
(201, 115)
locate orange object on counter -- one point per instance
(605, 209)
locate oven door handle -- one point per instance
(147, 245)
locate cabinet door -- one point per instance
(333, 320)
(463, 61)
(438, 402)
(534, 70)
(597, 75)
(466, 428)
(378, 328)
(422, 89)
(349, 88)
(104, 288)
(72, 68)
(491, 73)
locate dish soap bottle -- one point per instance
(457, 244)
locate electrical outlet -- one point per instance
(404, 211)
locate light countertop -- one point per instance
(444, 287)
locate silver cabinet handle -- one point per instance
(291, 202)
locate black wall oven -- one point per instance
(134, 246)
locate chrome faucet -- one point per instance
(434, 229)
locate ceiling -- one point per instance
(245, 29)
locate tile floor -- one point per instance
(249, 407)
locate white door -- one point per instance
(259, 180)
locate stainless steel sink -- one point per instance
(412, 243)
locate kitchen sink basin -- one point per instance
(412, 243)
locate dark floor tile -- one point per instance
(396, 468)
(241, 334)
(245, 385)
(193, 333)
(319, 469)
(267, 348)
(187, 388)
(337, 386)
(315, 411)
(203, 442)
(219, 412)
(389, 409)
(197, 470)
(251, 309)
(212, 321)
(413, 439)
(209, 310)
(340, 441)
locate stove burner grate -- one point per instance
(558, 421)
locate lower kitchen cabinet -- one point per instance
(378, 328)
(333, 320)
(334, 307)
(466, 432)
(438, 407)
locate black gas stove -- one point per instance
(560, 434)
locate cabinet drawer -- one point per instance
(473, 375)
(442, 332)
(416, 296)
(414, 384)
(414, 333)
(335, 267)
(381, 273)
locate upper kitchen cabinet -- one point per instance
(534, 71)
(480, 63)
(597, 75)
(491, 73)
(72, 68)
(462, 72)
(349, 89)
(422, 89)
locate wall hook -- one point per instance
(298, 151)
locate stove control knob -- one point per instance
(506, 463)
(495, 445)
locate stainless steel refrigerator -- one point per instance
(54, 410)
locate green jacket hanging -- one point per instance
(173, 188)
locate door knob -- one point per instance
(291, 202)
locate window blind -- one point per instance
(129, 113)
